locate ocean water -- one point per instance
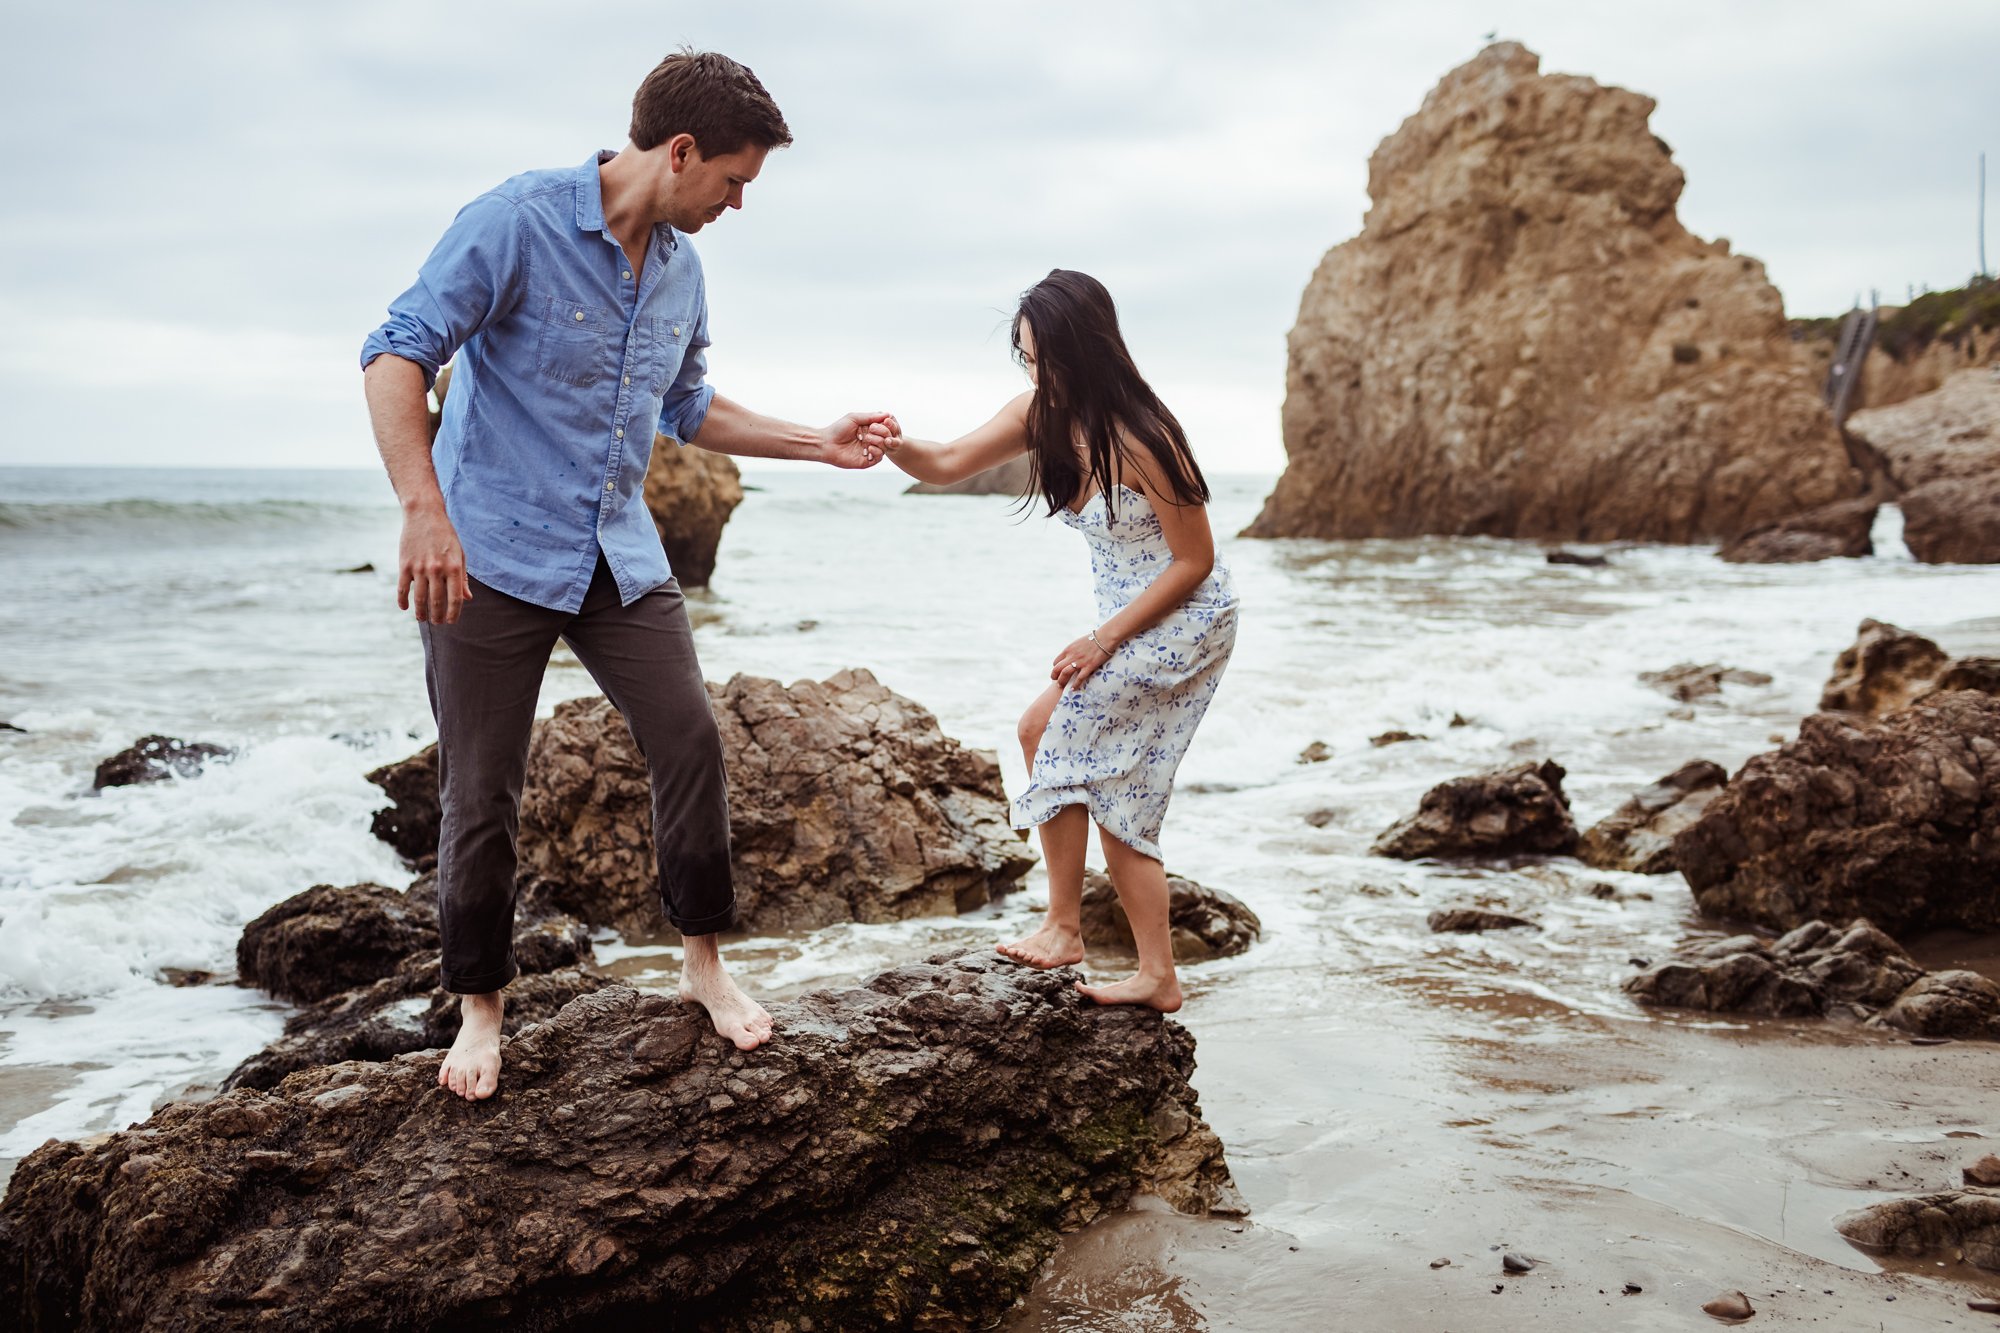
(220, 606)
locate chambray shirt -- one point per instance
(568, 361)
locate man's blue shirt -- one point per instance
(568, 361)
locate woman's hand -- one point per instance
(1074, 664)
(857, 440)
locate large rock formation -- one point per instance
(1512, 811)
(1639, 835)
(847, 802)
(1843, 529)
(692, 493)
(1010, 478)
(1524, 341)
(1817, 971)
(1941, 451)
(1895, 819)
(1203, 923)
(903, 1156)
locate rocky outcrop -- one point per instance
(692, 493)
(1941, 451)
(155, 759)
(1950, 1225)
(1010, 478)
(1843, 529)
(1886, 668)
(1688, 681)
(410, 822)
(363, 960)
(847, 802)
(904, 1155)
(1895, 819)
(1805, 974)
(1639, 835)
(1955, 521)
(1473, 921)
(1204, 923)
(1512, 811)
(1524, 341)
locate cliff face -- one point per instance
(1524, 341)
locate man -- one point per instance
(576, 307)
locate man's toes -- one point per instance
(489, 1079)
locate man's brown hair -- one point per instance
(711, 97)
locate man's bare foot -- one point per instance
(1052, 946)
(735, 1015)
(472, 1067)
(1161, 993)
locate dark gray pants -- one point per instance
(485, 674)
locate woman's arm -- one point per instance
(1002, 438)
(1186, 529)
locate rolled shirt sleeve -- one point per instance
(685, 405)
(472, 278)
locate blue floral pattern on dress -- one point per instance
(1114, 743)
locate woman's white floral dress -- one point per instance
(1113, 743)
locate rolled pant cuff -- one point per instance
(705, 925)
(480, 983)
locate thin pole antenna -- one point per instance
(1983, 270)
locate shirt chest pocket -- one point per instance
(574, 344)
(668, 346)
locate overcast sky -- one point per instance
(210, 204)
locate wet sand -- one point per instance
(1373, 1134)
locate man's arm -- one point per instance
(854, 441)
(430, 562)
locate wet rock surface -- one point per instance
(1819, 971)
(904, 1155)
(1473, 920)
(1639, 835)
(847, 802)
(1205, 923)
(1945, 1225)
(1884, 669)
(155, 759)
(1840, 530)
(1524, 341)
(332, 938)
(1895, 819)
(1688, 681)
(1955, 521)
(410, 822)
(1511, 811)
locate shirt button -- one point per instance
(579, 314)
(610, 485)
(628, 275)
(677, 330)
(628, 379)
(621, 432)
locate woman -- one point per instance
(1103, 741)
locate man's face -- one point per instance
(703, 187)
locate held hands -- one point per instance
(859, 439)
(431, 567)
(1075, 664)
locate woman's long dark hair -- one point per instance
(1087, 389)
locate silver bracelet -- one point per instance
(1092, 636)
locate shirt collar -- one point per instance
(590, 200)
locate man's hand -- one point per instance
(858, 440)
(431, 566)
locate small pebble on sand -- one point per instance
(1730, 1305)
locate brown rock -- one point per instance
(1730, 1305)
(1524, 341)
(1947, 1226)
(1951, 432)
(1316, 753)
(846, 800)
(1205, 923)
(1805, 974)
(905, 1155)
(1639, 835)
(1395, 736)
(1954, 522)
(410, 822)
(1896, 819)
(1502, 812)
(1885, 669)
(1842, 529)
(1688, 681)
(155, 759)
(692, 493)
(1471, 920)
(1985, 1171)
(1948, 1004)
(1010, 478)
(329, 939)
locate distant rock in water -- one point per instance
(1010, 478)
(1885, 669)
(155, 759)
(1524, 341)
(1843, 529)
(1587, 559)
(1688, 681)
(1941, 451)
(905, 1155)
(1955, 521)
(1639, 835)
(1896, 819)
(1807, 973)
(1473, 920)
(1205, 923)
(692, 493)
(1512, 811)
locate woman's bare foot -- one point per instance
(472, 1067)
(735, 1015)
(1161, 993)
(1052, 946)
